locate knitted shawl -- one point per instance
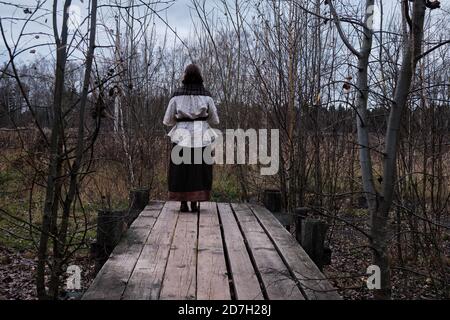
(191, 90)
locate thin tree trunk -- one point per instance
(380, 217)
(54, 170)
(74, 173)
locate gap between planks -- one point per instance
(278, 283)
(111, 282)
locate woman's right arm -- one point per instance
(170, 118)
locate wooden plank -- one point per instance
(313, 282)
(179, 281)
(134, 236)
(277, 280)
(245, 282)
(146, 280)
(212, 276)
(149, 213)
(145, 221)
(112, 279)
(155, 205)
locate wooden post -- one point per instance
(285, 219)
(139, 199)
(272, 200)
(327, 256)
(313, 238)
(300, 215)
(110, 227)
(362, 202)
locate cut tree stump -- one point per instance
(272, 201)
(111, 225)
(139, 199)
(313, 239)
(300, 215)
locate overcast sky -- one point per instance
(178, 16)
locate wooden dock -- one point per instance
(227, 252)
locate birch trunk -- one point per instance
(411, 52)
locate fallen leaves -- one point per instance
(16, 276)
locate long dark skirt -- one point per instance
(190, 182)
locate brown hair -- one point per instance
(192, 75)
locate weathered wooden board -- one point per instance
(245, 282)
(312, 281)
(148, 213)
(180, 277)
(112, 279)
(212, 277)
(184, 256)
(145, 221)
(146, 279)
(155, 205)
(277, 280)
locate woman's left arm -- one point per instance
(213, 118)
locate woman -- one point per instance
(191, 110)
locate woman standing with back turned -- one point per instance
(191, 110)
